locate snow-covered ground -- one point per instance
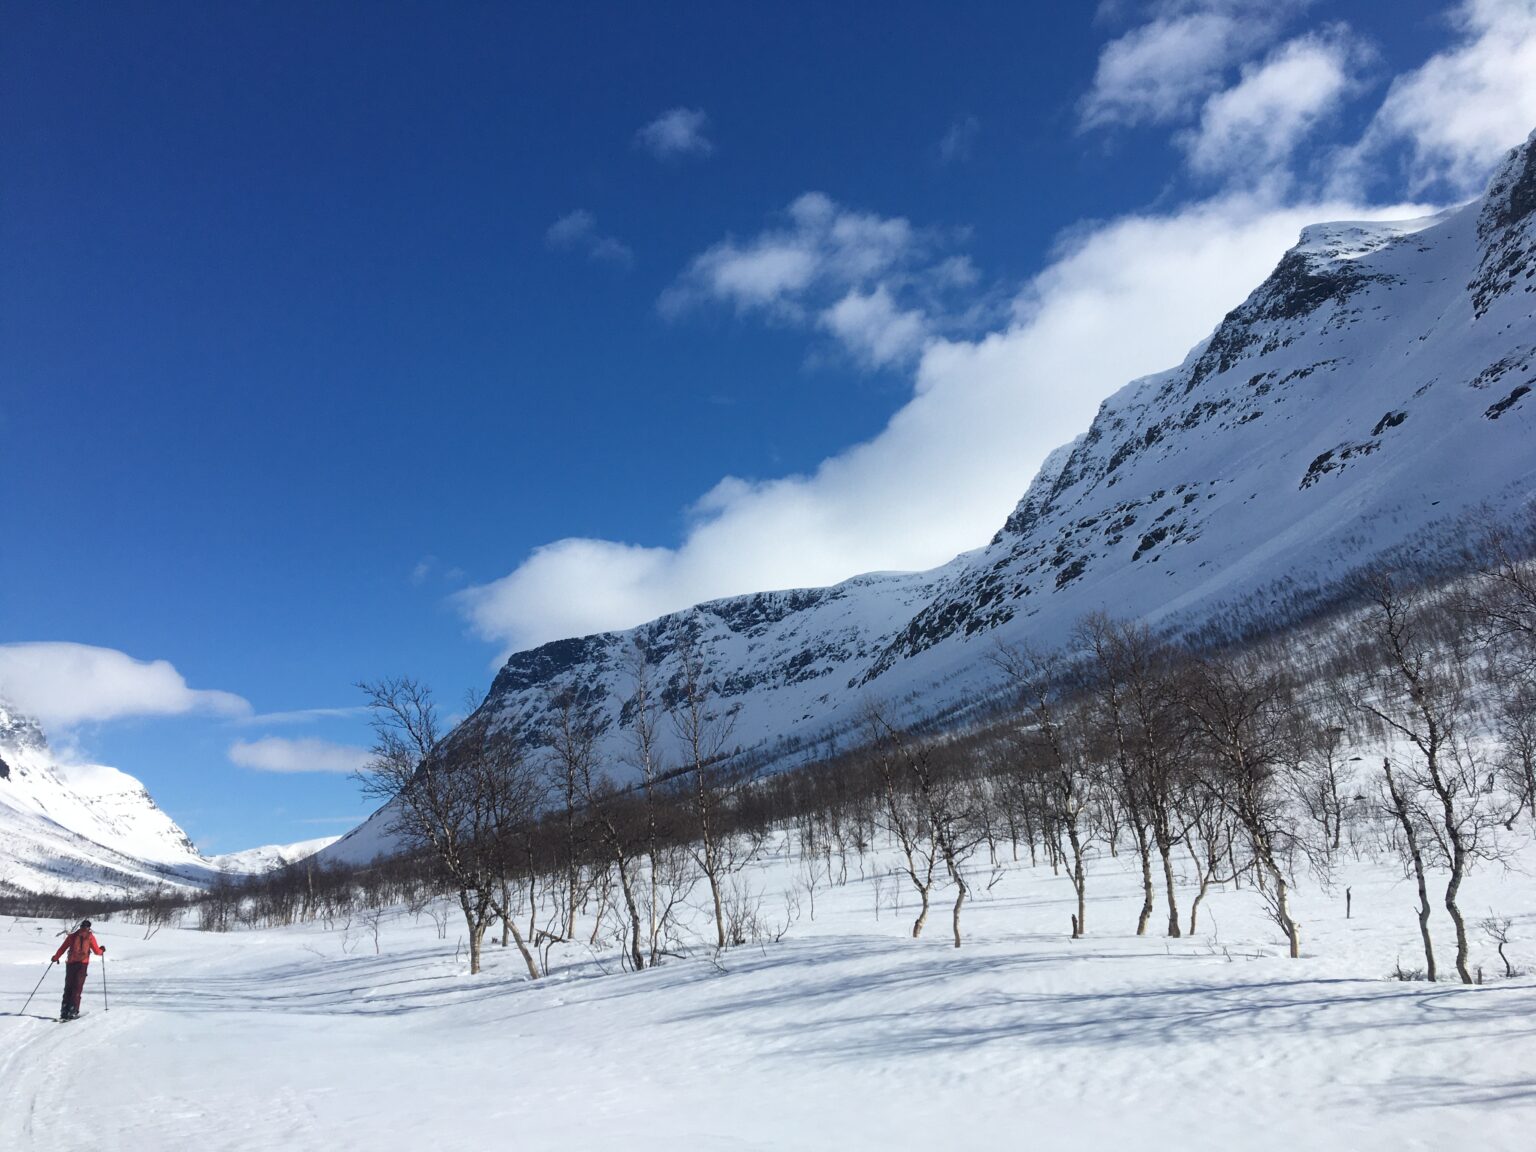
(847, 1034)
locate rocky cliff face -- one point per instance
(1372, 393)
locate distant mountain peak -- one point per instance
(18, 731)
(1511, 196)
(1506, 225)
(83, 828)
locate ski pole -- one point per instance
(40, 980)
(104, 1007)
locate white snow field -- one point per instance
(847, 1034)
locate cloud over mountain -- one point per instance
(64, 684)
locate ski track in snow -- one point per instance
(847, 1034)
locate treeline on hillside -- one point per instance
(1232, 764)
(154, 906)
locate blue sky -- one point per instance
(339, 341)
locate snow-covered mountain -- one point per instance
(81, 828)
(269, 857)
(88, 830)
(1367, 398)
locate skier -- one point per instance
(79, 944)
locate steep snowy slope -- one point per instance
(1369, 396)
(81, 828)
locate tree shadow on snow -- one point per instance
(930, 1004)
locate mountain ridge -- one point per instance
(1364, 399)
(80, 829)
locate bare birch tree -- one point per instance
(610, 812)
(1052, 746)
(1096, 634)
(458, 802)
(1242, 713)
(1423, 695)
(703, 730)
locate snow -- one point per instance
(1351, 239)
(846, 1034)
(252, 861)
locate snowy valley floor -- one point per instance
(846, 1035)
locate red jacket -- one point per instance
(80, 945)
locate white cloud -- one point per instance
(533, 603)
(877, 285)
(875, 329)
(1128, 298)
(278, 754)
(677, 132)
(956, 145)
(821, 246)
(1466, 104)
(577, 231)
(64, 684)
(760, 275)
(1249, 131)
(1162, 70)
(303, 715)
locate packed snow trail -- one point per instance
(848, 1035)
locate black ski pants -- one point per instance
(74, 984)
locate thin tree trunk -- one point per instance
(1164, 849)
(1411, 841)
(1458, 869)
(522, 947)
(635, 951)
(1079, 880)
(1459, 861)
(1283, 913)
(603, 897)
(714, 895)
(654, 925)
(1206, 873)
(475, 925)
(469, 928)
(922, 916)
(959, 902)
(1147, 894)
(710, 857)
(573, 888)
(533, 897)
